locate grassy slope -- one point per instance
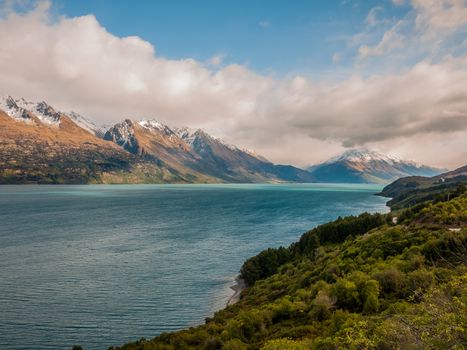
(393, 287)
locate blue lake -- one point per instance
(102, 265)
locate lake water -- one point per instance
(103, 265)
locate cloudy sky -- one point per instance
(296, 81)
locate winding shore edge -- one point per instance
(239, 286)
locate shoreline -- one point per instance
(238, 287)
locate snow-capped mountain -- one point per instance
(40, 145)
(362, 155)
(368, 166)
(12, 109)
(20, 109)
(190, 135)
(193, 136)
(194, 151)
(23, 110)
(44, 112)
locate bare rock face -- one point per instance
(123, 134)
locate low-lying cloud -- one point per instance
(75, 64)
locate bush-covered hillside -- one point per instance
(356, 283)
(408, 191)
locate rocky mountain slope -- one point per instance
(39, 144)
(365, 166)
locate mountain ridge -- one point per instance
(152, 152)
(201, 152)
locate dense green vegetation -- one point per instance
(356, 283)
(409, 191)
(266, 263)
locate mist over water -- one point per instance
(102, 265)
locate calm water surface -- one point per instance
(103, 265)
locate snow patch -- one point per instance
(186, 134)
(154, 125)
(86, 124)
(363, 155)
(41, 110)
(20, 110)
(11, 108)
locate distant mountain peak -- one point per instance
(155, 125)
(187, 134)
(363, 165)
(203, 134)
(10, 106)
(123, 134)
(361, 155)
(41, 110)
(190, 135)
(21, 110)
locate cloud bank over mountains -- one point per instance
(417, 108)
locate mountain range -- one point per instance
(39, 144)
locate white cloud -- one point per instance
(372, 17)
(390, 41)
(429, 98)
(336, 58)
(75, 64)
(431, 28)
(264, 24)
(216, 60)
(440, 14)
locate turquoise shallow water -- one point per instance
(102, 265)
